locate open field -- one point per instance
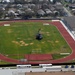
(18, 39)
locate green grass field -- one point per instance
(18, 39)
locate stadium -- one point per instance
(18, 43)
(37, 37)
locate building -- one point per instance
(12, 1)
(0, 0)
(4, 0)
(28, 0)
(72, 1)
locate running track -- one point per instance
(63, 32)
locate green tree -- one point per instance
(1, 13)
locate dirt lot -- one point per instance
(51, 73)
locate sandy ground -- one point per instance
(51, 73)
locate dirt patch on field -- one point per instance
(48, 41)
(9, 31)
(48, 34)
(15, 42)
(21, 43)
(26, 44)
(43, 42)
(31, 43)
(18, 38)
(56, 41)
(29, 39)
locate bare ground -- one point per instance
(51, 73)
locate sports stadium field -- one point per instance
(19, 38)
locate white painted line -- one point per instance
(55, 20)
(64, 53)
(46, 24)
(6, 24)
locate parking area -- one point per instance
(50, 73)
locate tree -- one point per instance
(35, 1)
(27, 14)
(1, 13)
(53, 1)
(19, 1)
(12, 16)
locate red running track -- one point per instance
(63, 32)
(38, 57)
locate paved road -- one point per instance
(68, 13)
